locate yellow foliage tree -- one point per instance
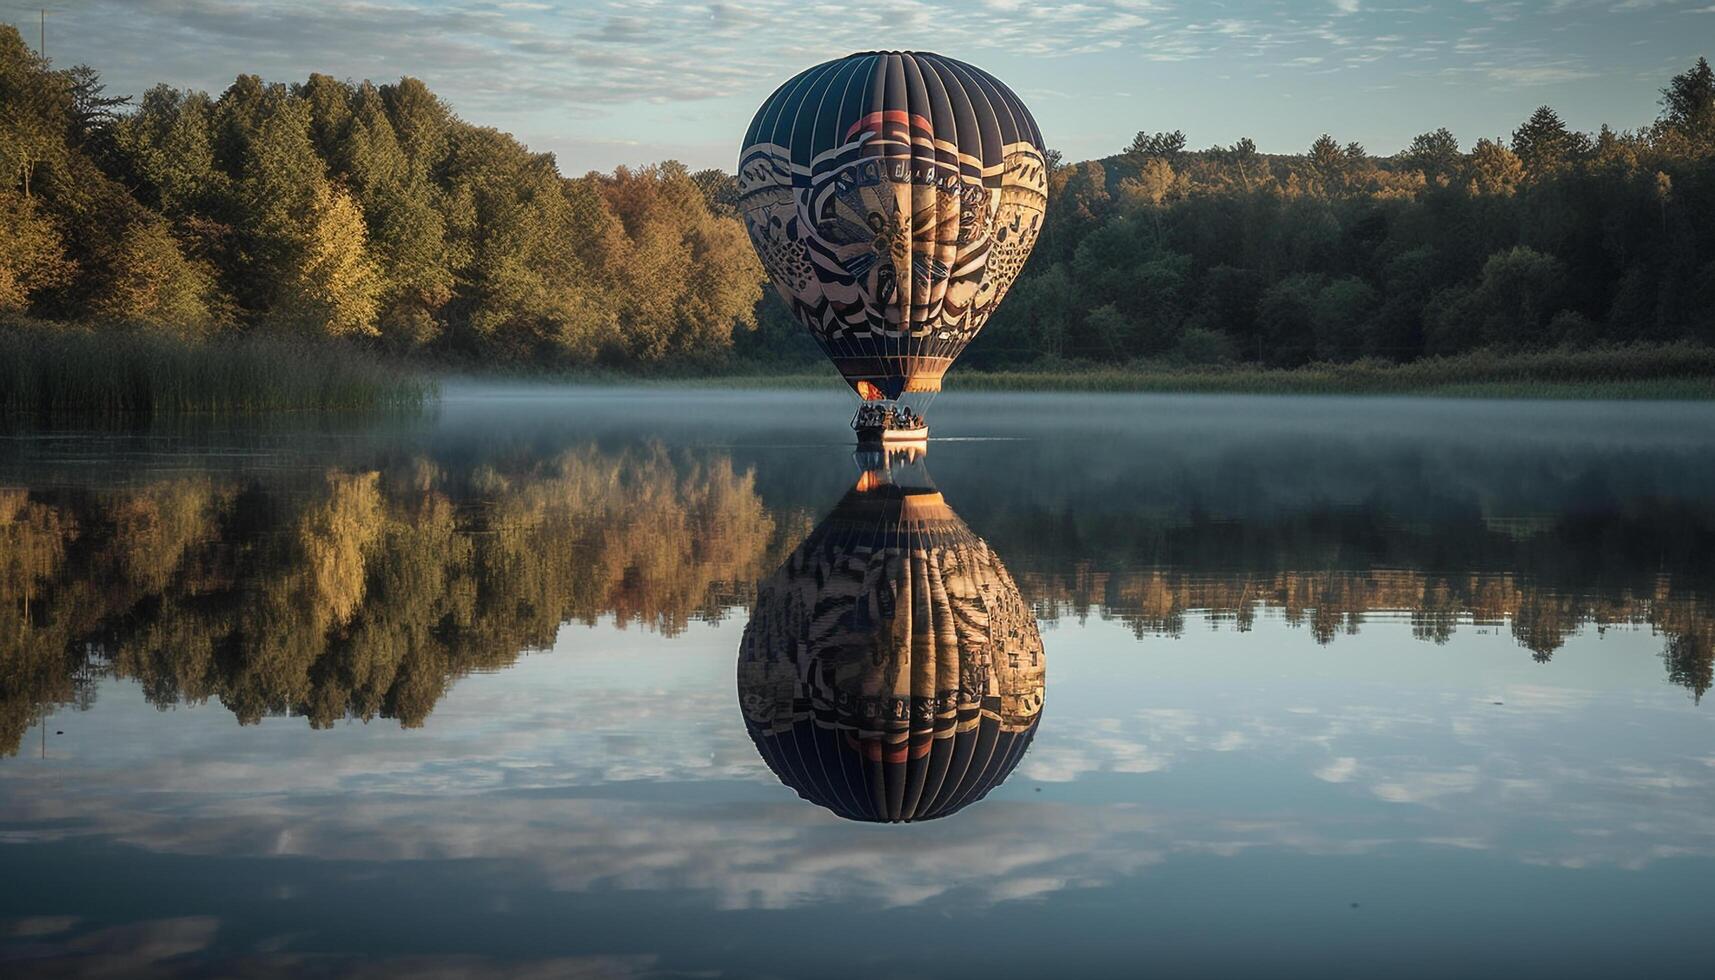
(334, 286)
(1494, 169)
(154, 283)
(31, 254)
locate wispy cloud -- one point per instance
(607, 81)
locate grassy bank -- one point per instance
(57, 372)
(1679, 371)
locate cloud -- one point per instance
(677, 80)
(1425, 787)
(1540, 75)
(1338, 771)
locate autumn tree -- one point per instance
(1493, 169)
(32, 257)
(331, 286)
(152, 282)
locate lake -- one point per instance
(612, 682)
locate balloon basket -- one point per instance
(876, 437)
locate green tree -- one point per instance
(1199, 346)
(1340, 318)
(1286, 318)
(1229, 305)
(532, 253)
(407, 228)
(93, 111)
(1544, 145)
(720, 191)
(35, 113)
(1242, 156)
(1688, 107)
(306, 261)
(1509, 307)
(1105, 332)
(1156, 146)
(167, 149)
(1329, 164)
(330, 113)
(1435, 155)
(422, 120)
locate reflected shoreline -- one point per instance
(364, 588)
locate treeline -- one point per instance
(1551, 238)
(339, 210)
(333, 209)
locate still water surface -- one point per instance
(576, 683)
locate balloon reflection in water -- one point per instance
(891, 671)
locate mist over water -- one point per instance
(1327, 686)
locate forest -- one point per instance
(332, 210)
(375, 216)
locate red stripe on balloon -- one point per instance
(875, 120)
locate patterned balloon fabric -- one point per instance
(893, 197)
(891, 671)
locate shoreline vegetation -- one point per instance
(335, 245)
(54, 373)
(1671, 372)
(1639, 371)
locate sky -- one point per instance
(630, 82)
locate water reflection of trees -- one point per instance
(363, 591)
(1328, 569)
(357, 594)
(1330, 603)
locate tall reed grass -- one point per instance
(58, 372)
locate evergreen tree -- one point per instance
(1435, 155)
(1329, 164)
(1688, 107)
(1544, 145)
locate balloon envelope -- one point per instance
(891, 671)
(893, 197)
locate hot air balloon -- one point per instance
(893, 197)
(891, 671)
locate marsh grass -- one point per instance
(1679, 371)
(57, 372)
